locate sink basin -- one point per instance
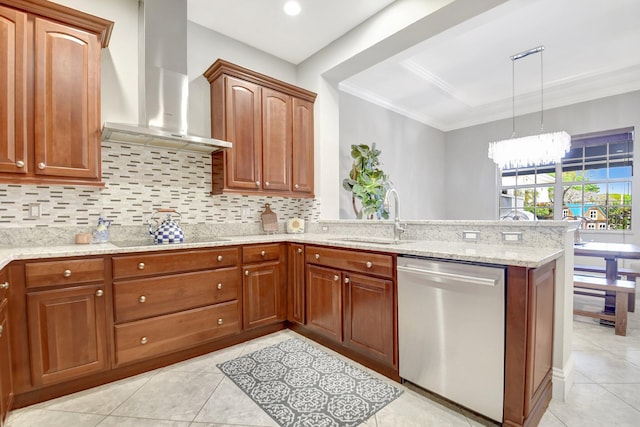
(372, 240)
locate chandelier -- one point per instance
(534, 150)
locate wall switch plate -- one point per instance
(511, 236)
(470, 235)
(325, 228)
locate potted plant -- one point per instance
(367, 182)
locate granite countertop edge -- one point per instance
(501, 254)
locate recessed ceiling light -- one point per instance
(292, 8)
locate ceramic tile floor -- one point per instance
(195, 393)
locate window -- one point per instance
(594, 179)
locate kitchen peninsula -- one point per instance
(262, 281)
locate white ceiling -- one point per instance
(462, 76)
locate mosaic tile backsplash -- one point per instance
(140, 180)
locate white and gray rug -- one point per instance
(300, 385)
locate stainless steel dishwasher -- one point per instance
(451, 331)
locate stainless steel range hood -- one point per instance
(163, 83)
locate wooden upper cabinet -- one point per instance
(242, 120)
(67, 101)
(13, 84)
(50, 124)
(302, 151)
(276, 140)
(270, 124)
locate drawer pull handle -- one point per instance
(263, 253)
(220, 321)
(41, 165)
(143, 340)
(346, 280)
(299, 250)
(141, 266)
(142, 299)
(4, 285)
(369, 264)
(317, 256)
(246, 272)
(99, 292)
(20, 164)
(336, 277)
(219, 285)
(1, 330)
(219, 258)
(66, 273)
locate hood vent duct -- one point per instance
(163, 83)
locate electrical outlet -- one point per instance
(246, 212)
(470, 235)
(34, 210)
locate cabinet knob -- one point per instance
(219, 258)
(220, 321)
(66, 273)
(296, 186)
(1, 330)
(336, 277)
(246, 272)
(141, 266)
(20, 164)
(369, 264)
(317, 256)
(263, 253)
(219, 285)
(266, 183)
(41, 165)
(143, 340)
(257, 183)
(142, 298)
(346, 280)
(99, 292)
(299, 250)
(4, 285)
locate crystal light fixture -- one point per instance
(534, 150)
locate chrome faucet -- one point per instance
(397, 228)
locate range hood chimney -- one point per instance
(163, 83)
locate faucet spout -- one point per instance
(397, 227)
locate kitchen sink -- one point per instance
(372, 240)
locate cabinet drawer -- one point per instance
(363, 262)
(259, 253)
(65, 272)
(144, 339)
(142, 298)
(174, 262)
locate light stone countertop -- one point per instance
(503, 254)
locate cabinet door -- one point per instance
(67, 333)
(324, 302)
(66, 101)
(6, 385)
(295, 310)
(263, 297)
(276, 140)
(302, 147)
(369, 316)
(242, 121)
(13, 91)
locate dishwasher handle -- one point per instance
(442, 276)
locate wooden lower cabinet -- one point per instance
(324, 302)
(67, 333)
(264, 286)
(368, 316)
(6, 384)
(152, 337)
(295, 284)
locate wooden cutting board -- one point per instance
(269, 220)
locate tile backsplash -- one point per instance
(138, 181)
